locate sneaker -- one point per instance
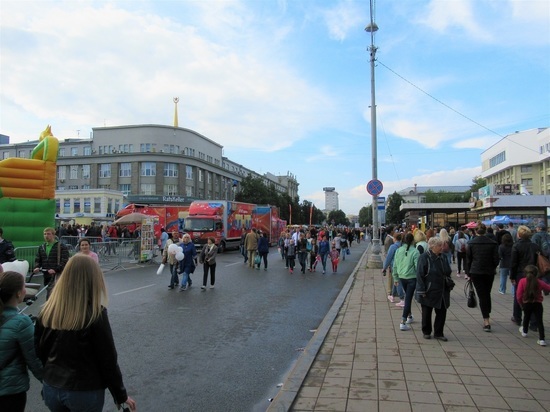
(211, 286)
(404, 326)
(501, 292)
(323, 272)
(410, 320)
(541, 343)
(457, 274)
(522, 332)
(400, 304)
(390, 298)
(203, 287)
(291, 271)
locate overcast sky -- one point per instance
(284, 86)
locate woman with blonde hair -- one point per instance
(73, 339)
(446, 245)
(420, 241)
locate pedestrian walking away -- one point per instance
(530, 297)
(404, 271)
(263, 249)
(481, 263)
(73, 339)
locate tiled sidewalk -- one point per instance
(359, 360)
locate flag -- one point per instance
(289, 214)
(310, 214)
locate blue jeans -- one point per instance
(61, 400)
(324, 257)
(504, 275)
(174, 280)
(409, 286)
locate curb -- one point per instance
(293, 382)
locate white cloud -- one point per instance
(341, 19)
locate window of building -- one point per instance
(87, 205)
(189, 192)
(66, 205)
(209, 159)
(148, 169)
(200, 175)
(125, 170)
(171, 148)
(170, 190)
(527, 182)
(61, 152)
(147, 189)
(117, 205)
(498, 159)
(85, 171)
(97, 205)
(170, 170)
(125, 189)
(73, 187)
(85, 187)
(61, 172)
(74, 151)
(189, 172)
(87, 150)
(76, 205)
(109, 206)
(209, 178)
(526, 168)
(57, 206)
(145, 147)
(125, 148)
(73, 173)
(105, 170)
(22, 153)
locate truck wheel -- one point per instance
(221, 247)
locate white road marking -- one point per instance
(133, 290)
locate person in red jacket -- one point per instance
(529, 296)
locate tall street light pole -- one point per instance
(375, 256)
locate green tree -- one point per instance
(444, 197)
(393, 214)
(365, 215)
(339, 218)
(477, 183)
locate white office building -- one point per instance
(519, 159)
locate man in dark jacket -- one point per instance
(481, 263)
(51, 258)
(7, 251)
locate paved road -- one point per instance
(224, 349)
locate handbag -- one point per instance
(543, 264)
(470, 294)
(347, 251)
(257, 259)
(449, 283)
(160, 269)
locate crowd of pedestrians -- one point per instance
(418, 266)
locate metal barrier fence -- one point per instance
(112, 255)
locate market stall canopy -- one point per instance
(131, 218)
(504, 220)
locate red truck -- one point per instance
(169, 217)
(224, 220)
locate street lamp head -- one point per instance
(371, 27)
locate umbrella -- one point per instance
(471, 225)
(131, 218)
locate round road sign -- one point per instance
(375, 187)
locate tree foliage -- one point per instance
(477, 183)
(445, 197)
(393, 214)
(365, 215)
(337, 217)
(253, 190)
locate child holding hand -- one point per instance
(529, 296)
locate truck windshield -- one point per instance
(193, 224)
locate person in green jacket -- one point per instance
(16, 345)
(404, 272)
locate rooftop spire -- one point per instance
(176, 100)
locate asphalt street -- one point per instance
(223, 349)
